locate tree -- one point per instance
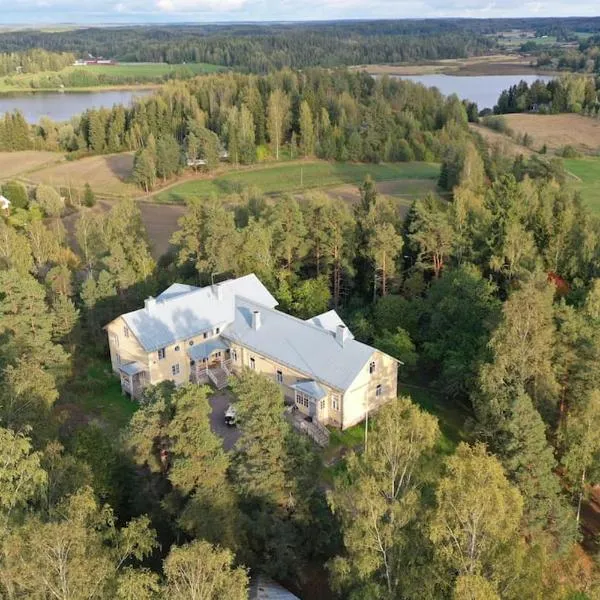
(49, 200)
(144, 169)
(378, 498)
(278, 115)
(289, 232)
(16, 192)
(15, 251)
(90, 238)
(475, 524)
(199, 571)
(77, 554)
(89, 198)
(431, 234)
(384, 247)
(167, 156)
(399, 345)
(307, 130)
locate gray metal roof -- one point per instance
(132, 368)
(330, 320)
(262, 588)
(178, 314)
(298, 344)
(311, 387)
(205, 349)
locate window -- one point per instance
(118, 358)
(176, 348)
(217, 331)
(205, 334)
(252, 363)
(161, 353)
(322, 404)
(302, 399)
(191, 342)
(175, 369)
(378, 391)
(335, 402)
(234, 355)
(372, 367)
(126, 331)
(279, 377)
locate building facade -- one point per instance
(205, 335)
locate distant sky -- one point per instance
(142, 11)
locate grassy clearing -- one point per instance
(95, 395)
(107, 174)
(587, 172)
(296, 177)
(14, 164)
(98, 76)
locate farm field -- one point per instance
(412, 179)
(98, 76)
(107, 174)
(13, 164)
(587, 171)
(557, 131)
(495, 139)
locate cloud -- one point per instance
(82, 11)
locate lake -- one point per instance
(61, 106)
(482, 89)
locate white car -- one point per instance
(230, 415)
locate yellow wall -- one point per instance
(123, 349)
(361, 392)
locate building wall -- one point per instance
(240, 357)
(123, 349)
(362, 392)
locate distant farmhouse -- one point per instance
(4, 203)
(94, 60)
(205, 335)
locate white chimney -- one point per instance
(256, 320)
(341, 333)
(149, 304)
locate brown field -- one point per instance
(497, 64)
(13, 164)
(106, 174)
(506, 144)
(556, 131)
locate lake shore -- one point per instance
(18, 91)
(497, 64)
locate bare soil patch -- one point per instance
(108, 174)
(13, 164)
(557, 131)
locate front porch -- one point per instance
(134, 379)
(210, 362)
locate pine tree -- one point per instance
(89, 198)
(144, 170)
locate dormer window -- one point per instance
(372, 367)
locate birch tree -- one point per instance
(278, 116)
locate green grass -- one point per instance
(419, 178)
(96, 393)
(125, 74)
(451, 417)
(587, 173)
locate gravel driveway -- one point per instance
(219, 402)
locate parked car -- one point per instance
(230, 416)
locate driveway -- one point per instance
(219, 402)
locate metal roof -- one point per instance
(330, 320)
(178, 314)
(311, 388)
(262, 588)
(308, 348)
(205, 349)
(132, 368)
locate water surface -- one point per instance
(61, 106)
(482, 89)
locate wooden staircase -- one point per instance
(219, 376)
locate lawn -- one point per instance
(95, 394)
(299, 176)
(587, 172)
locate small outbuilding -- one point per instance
(4, 203)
